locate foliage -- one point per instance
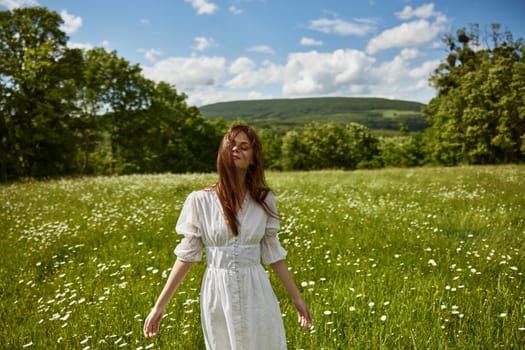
(478, 116)
(374, 113)
(66, 111)
(38, 77)
(426, 258)
(402, 151)
(325, 146)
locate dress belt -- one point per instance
(233, 257)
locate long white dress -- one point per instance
(239, 310)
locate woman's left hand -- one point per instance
(303, 313)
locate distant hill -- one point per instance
(375, 113)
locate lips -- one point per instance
(235, 157)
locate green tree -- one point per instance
(294, 152)
(38, 79)
(329, 146)
(477, 116)
(272, 142)
(363, 147)
(402, 151)
(183, 140)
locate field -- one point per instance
(429, 258)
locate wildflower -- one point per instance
(503, 314)
(432, 262)
(351, 308)
(383, 318)
(371, 304)
(327, 312)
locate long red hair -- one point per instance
(227, 188)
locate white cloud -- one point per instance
(337, 26)
(310, 42)
(87, 46)
(424, 11)
(262, 49)
(411, 54)
(13, 4)
(424, 70)
(339, 73)
(208, 95)
(151, 54)
(235, 10)
(71, 22)
(203, 7)
(247, 75)
(400, 80)
(188, 73)
(83, 46)
(242, 64)
(202, 43)
(409, 34)
(314, 73)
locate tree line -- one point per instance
(67, 111)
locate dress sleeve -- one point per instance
(271, 249)
(190, 247)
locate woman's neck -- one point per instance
(241, 180)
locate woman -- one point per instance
(236, 219)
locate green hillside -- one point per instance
(375, 113)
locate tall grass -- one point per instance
(427, 258)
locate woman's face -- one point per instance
(242, 151)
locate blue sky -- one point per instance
(223, 50)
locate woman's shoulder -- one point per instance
(269, 194)
(202, 195)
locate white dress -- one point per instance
(239, 310)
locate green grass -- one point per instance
(428, 258)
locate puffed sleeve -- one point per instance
(190, 247)
(271, 249)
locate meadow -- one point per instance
(427, 258)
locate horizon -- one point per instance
(243, 50)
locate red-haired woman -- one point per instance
(237, 221)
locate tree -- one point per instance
(477, 116)
(329, 146)
(363, 147)
(294, 152)
(272, 143)
(402, 151)
(38, 75)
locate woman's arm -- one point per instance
(281, 270)
(178, 272)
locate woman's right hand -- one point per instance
(152, 323)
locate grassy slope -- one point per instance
(375, 113)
